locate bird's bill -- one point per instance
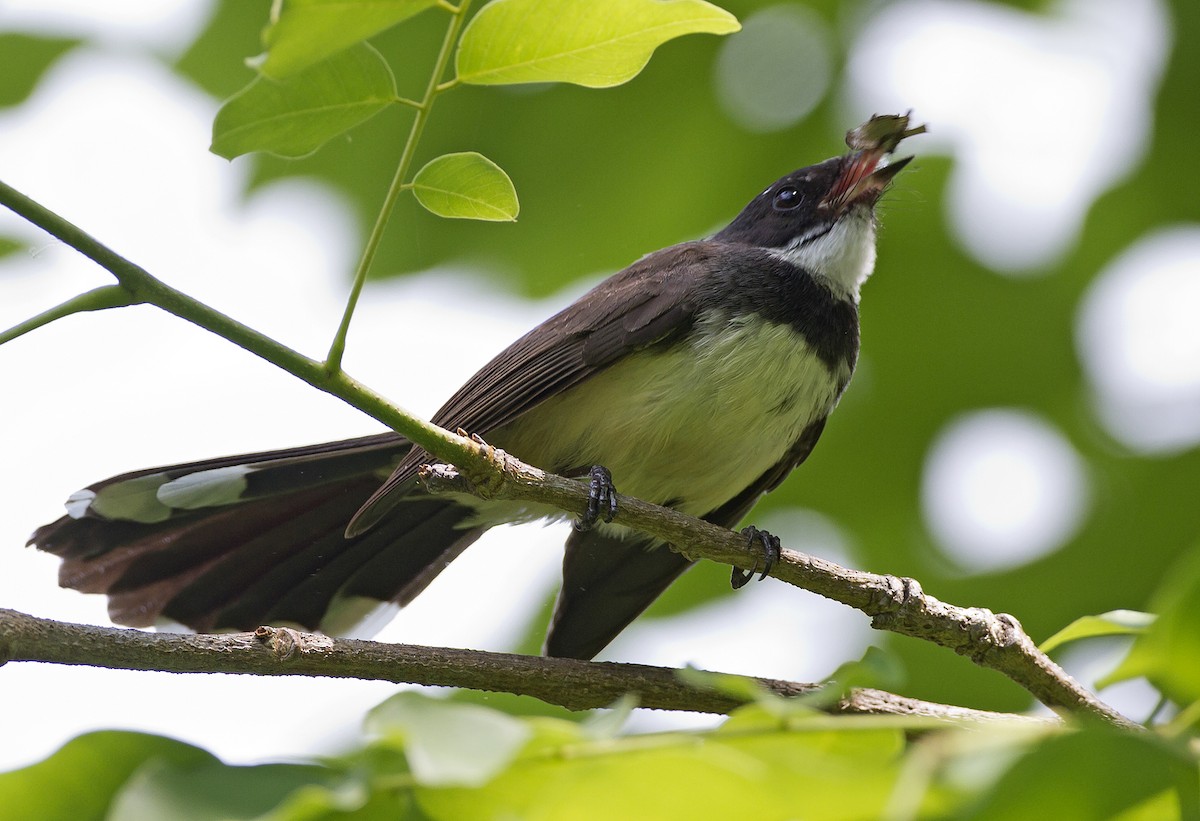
(867, 172)
(864, 177)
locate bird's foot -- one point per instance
(771, 553)
(602, 499)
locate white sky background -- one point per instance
(118, 145)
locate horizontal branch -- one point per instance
(276, 651)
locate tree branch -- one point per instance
(995, 641)
(275, 651)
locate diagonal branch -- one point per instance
(991, 640)
(270, 651)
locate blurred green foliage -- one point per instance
(108, 758)
(759, 764)
(26, 59)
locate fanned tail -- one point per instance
(236, 542)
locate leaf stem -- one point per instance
(333, 361)
(1187, 718)
(108, 296)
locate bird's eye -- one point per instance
(786, 199)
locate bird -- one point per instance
(696, 378)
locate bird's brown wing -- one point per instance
(652, 301)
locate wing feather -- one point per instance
(650, 302)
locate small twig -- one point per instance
(99, 299)
(333, 360)
(273, 651)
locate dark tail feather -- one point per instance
(206, 563)
(276, 553)
(391, 563)
(607, 582)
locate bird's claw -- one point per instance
(602, 499)
(771, 554)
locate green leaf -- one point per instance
(213, 791)
(1094, 773)
(26, 59)
(80, 779)
(595, 44)
(743, 688)
(304, 32)
(1112, 623)
(877, 668)
(466, 186)
(607, 723)
(746, 689)
(1166, 653)
(353, 803)
(515, 705)
(755, 772)
(448, 743)
(296, 116)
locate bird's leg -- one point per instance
(602, 499)
(771, 553)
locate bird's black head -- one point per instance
(821, 218)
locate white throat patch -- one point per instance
(843, 257)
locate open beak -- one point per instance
(866, 173)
